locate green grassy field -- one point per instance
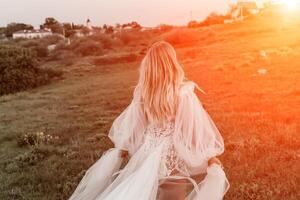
(257, 114)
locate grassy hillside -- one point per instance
(249, 70)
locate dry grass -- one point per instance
(258, 115)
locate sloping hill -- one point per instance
(249, 70)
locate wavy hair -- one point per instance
(160, 78)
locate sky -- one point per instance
(148, 13)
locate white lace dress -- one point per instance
(178, 150)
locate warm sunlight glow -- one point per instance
(291, 4)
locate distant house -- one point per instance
(244, 7)
(29, 34)
(251, 6)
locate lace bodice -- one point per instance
(171, 162)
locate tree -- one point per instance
(53, 25)
(118, 25)
(85, 30)
(77, 26)
(69, 32)
(193, 24)
(214, 18)
(109, 30)
(67, 26)
(135, 25)
(165, 27)
(14, 27)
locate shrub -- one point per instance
(66, 57)
(134, 37)
(32, 157)
(127, 37)
(165, 27)
(36, 45)
(19, 70)
(107, 41)
(34, 139)
(41, 51)
(51, 73)
(29, 43)
(182, 36)
(52, 39)
(190, 37)
(86, 47)
(213, 19)
(107, 60)
(193, 24)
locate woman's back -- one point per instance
(168, 135)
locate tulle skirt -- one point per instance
(140, 179)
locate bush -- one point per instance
(28, 43)
(41, 51)
(165, 27)
(35, 139)
(106, 40)
(52, 39)
(61, 46)
(86, 47)
(182, 36)
(37, 46)
(134, 37)
(66, 57)
(107, 60)
(190, 37)
(193, 24)
(213, 19)
(19, 70)
(51, 73)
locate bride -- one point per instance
(171, 140)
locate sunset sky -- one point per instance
(148, 13)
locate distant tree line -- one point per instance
(215, 18)
(211, 19)
(66, 29)
(14, 27)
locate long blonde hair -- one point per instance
(160, 78)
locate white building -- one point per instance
(29, 34)
(252, 4)
(89, 24)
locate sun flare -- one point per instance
(291, 4)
